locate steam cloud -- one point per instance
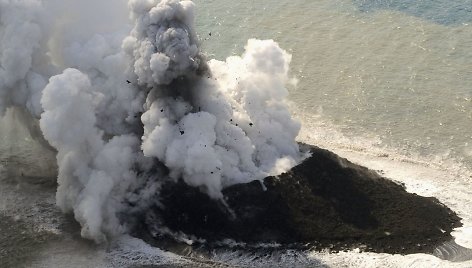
(117, 113)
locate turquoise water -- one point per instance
(438, 11)
(397, 71)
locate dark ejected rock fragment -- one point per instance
(326, 200)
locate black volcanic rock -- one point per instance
(325, 202)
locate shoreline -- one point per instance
(326, 202)
(182, 249)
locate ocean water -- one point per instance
(399, 72)
(387, 84)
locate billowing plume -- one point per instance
(126, 113)
(21, 38)
(93, 173)
(235, 127)
(212, 129)
(163, 43)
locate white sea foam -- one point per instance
(91, 115)
(442, 177)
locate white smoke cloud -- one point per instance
(94, 174)
(163, 42)
(234, 125)
(235, 128)
(116, 108)
(21, 38)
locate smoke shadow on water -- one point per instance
(27, 212)
(33, 231)
(218, 129)
(18, 243)
(442, 12)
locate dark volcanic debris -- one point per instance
(326, 202)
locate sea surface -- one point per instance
(385, 83)
(397, 71)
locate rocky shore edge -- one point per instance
(326, 202)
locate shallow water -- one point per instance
(387, 84)
(17, 242)
(397, 70)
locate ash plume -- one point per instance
(128, 112)
(20, 48)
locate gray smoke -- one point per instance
(21, 37)
(117, 108)
(163, 43)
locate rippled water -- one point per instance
(386, 83)
(399, 71)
